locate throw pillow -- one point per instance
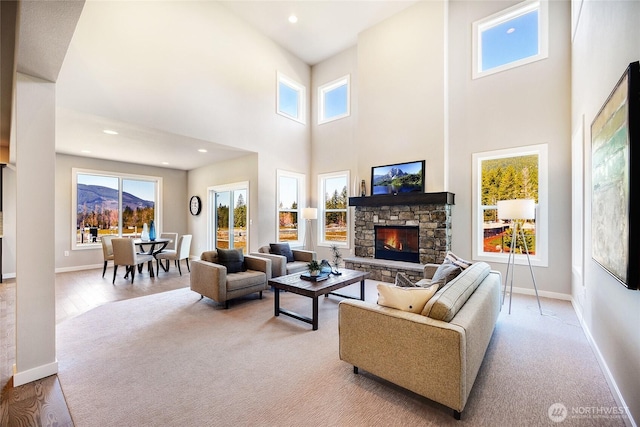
(456, 260)
(405, 299)
(282, 249)
(446, 272)
(233, 259)
(403, 281)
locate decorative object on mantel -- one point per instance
(152, 231)
(517, 211)
(363, 189)
(145, 232)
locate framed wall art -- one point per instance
(615, 181)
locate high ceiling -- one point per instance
(93, 96)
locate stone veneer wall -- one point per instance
(433, 220)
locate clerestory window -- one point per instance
(291, 98)
(334, 100)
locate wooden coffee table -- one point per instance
(293, 283)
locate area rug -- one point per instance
(172, 359)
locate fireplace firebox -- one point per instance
(397, 243)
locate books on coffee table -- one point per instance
(318, 278)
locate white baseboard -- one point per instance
(33, 374)
(630, 422)
(545, 294)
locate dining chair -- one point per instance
(107, 250)
(171, 246)
(124, 253)
(182, 252)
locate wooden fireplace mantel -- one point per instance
(443, 198)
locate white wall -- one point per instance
(523, 106)
(605, 42)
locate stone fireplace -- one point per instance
(430, 213)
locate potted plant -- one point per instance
(314, 267)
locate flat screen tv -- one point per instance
(398, 178)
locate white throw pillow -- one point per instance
(406, 299)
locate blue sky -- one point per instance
(510, 41)
(142, 189)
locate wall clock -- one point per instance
(195, 205)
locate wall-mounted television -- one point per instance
(398, 178)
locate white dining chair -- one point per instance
(124, 253)
(107, 250)
(183, 249)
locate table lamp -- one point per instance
(517, 211)
(308, 214)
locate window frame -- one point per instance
(541, 257)
(120, 176)
(302, 101)
(328, 87)
(322, 178)
(504, 16)
(301, 199)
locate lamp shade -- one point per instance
(310, 213)
(517, 209)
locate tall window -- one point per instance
(291, 98)
(510, 38)
(108, 203)
(334, 100)
(291, 196)
(334, 201)
(229, 216)
(519, 173)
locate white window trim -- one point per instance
(503, 16)
(302, 197)
(541, 258)
(328, 87)
(321, 209)
(302, 99)
(74, 201)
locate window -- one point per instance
(518, 173)
(290, 98)
(334, 100)
(229, 216)
(334, 201)
(108, 203)
(290, 192)
(510, 38)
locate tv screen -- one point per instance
(398, 178)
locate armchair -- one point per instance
(211, 279)
(279, 264)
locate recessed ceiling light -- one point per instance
(510, 30)
(202, 150)
(85, 151)
(165, 163)
(110, 132)
(293, 19)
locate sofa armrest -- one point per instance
(303, 255)
(278, 263)
(209, 279)
(258, 263)
(430, 270)
(418, 353)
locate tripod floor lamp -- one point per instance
(517, 211)
(308, 214)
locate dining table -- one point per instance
(151, 247)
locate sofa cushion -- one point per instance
(233, 259)
(282, 249)
(403, 298)
(296, 267)
(245, 279)
(445, 273)
(447, 301)
(456, 260)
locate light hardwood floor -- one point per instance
(41, 403)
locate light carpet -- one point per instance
(171, 359)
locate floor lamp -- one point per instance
(516, 211)
(308, 214)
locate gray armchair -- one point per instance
(279, 264)
(210, 279)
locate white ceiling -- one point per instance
(87, 103)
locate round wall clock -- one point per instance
(195, 205)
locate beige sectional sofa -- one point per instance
(438, 355)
